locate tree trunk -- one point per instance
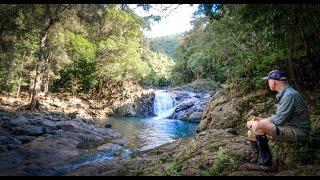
(317, 29)
(45, 81)
(290, 59)
(45, 84)
(19, 85)
(304, 41)
(31, 88)
(292, 76)
(39, 72)
(312, 13)
(100, 86)
(18, 90)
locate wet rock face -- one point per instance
(190, 106)
(32, 143)
(141, 105)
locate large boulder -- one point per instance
(195, 117)
(139, 105)
(25, 139)
(30, 130)
(225, 111)
(190, 105)
(9, 140)
(18, 121)
(185, 105)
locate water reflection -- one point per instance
(147, 133)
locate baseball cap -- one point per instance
(276, 75)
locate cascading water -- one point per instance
(142, 134)
(163, 104)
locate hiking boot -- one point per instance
(254, 151)
(265, 157)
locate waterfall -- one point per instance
(163, 104)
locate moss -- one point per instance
(159, 160)
(173, 168)
(188, 151)
(221, 163)
(136, 172)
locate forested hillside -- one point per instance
(74, 48)
(166, 44)
(239, 44)
(83, 91)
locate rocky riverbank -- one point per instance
(33, 142)
(37, 143)
(219, 148)
(212, 152)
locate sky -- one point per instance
(176, 21)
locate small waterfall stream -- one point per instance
(142, 133)
(164, 104)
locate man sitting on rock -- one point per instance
(290, 122)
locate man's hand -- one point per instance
(252, 125)
(255, 118)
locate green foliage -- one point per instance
(189, 151)
(119, 50)
(202, 86)
(159, 160)
(234, 45)
(85, 45)
(137, 172)
(173, 168)
(165, 45)
(77, 77)
(221, 162)
(238, 44)
(161, 67)
(18, 47)
(79, 46)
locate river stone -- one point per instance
(66, 125)
(37, 117)
(18, 121)
(184, 105)
(25, 139)
(9, 140)
(3, 148)
(72, 115)
(121, 142)
(49, 123)
(55, 119)
(195, 117)
(109, 147)
(50, 129)
(107, 125)
(57, 103)
(5, 117)
(231, 131)
(12, 146)
(33, 169)
(29, 130)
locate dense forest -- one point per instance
(166, 44)
(71, 74)
(75, 48)
(239, 44)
